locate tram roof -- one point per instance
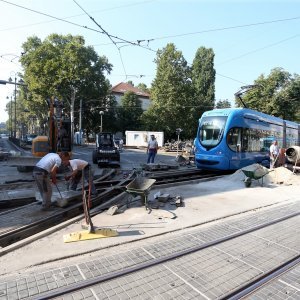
(250, 113)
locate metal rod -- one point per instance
(58, 190)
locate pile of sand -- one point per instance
(280, 175)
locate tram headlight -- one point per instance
(219, 153)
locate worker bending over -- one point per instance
(78, 167)
(46, 169)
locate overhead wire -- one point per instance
(78, 25)
(138, 43)
(74, 16)
(105, 32)
(111, 37)
(226, 28)
(50, 16)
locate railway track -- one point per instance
(222, 261)
(20, 223)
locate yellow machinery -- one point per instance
(40, 146)
(59, 132)
(59, 138)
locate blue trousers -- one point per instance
(151, 156)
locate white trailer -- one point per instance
(141, 138)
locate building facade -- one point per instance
(121, 88)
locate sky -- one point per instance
(249, 38)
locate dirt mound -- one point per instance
(280, 175)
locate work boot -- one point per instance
(46, 207)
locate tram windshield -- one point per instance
(211, 131)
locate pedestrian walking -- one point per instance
(152, 149)
(80, 167)
(44, 172)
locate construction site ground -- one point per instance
(204, 202)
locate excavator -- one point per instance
(59, 138)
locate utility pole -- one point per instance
(11, 131)
(15, 124)
(101, 114)
(21, 82)
(80, 121)
(178, 130)
(72, 112)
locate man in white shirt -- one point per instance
(121, 144)
(274, 153)
(152, 149)
(45, 169)
(78, 167)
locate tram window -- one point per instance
(291, 137)
(245, 139)
(211, 131)
(234, 139)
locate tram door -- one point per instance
(234, 142)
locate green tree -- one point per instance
(223, 104)
(130, 112)
(170, 93)
(203, 80)
(143, 87)
(277, 94)
(64, 67)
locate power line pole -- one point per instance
(15, 124)
(80, 122)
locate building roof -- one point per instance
(123, 87)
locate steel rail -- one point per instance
(20, 233)
(96, 280)
(17, 234)
(245, 291)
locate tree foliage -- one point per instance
(223, 104)
(277, 94)
(180, 93)
(169, 92)
(130, 112)
(203, 78)
(61, 66)
(203, 84)
(143, 87)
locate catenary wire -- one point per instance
(179, 35)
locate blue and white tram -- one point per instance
(232, 138)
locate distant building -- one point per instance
(121, 88)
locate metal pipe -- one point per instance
(58, 190)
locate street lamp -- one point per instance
(10, 116)
(21, 82)
(178, 131)
(101, 114)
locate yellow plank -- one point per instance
(85, 235)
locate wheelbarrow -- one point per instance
(254, 175)
(140, 186)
